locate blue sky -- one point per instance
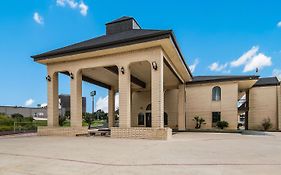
(216, 37)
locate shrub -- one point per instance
(199, 121)
(222, 124)
(6, 121)
(17, 117)
(266, 124)
(6, 128)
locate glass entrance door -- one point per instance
(148, 119)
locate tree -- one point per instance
(62, 119)
(100, 114)
(88, 118)
(199, 121)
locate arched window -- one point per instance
(165, 119)
(216, 93)
(148, 108)
(141, 118)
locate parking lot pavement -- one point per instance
(185, 153)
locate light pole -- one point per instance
(93, 93)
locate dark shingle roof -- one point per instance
(132, 36)
(269, 81)
(124, 18)
(107, 41)
(208, 79)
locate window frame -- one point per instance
(217, 120)
(216, 93)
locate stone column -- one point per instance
(157, 94)
(53, 101)
(124, 97)
(279, 107)
(111, 107)
(76, 99)
(181, 107)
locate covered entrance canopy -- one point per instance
(124, 60)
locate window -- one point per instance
(148, 108)
(165, 119)
(216, 93)
(216, 116)
(141, 118)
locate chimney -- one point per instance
(122, 24)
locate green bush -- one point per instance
(40, 122)
(17, 117)
(266, 124)
(6, 128)
(222, 124)
(6, 121)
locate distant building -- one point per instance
(37, 112)
(64, 104)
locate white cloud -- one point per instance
(279, 24)
(29, 102)
(44, 105)
(192, 67)
(102, 103)
(217, 67)
(252, 59)
(83, 8)
(258, 61)
(37, 18)
(245, 57)
(71, 3)
(277, 73)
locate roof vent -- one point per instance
(122, 24)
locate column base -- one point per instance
(142, 133)
(61, 131)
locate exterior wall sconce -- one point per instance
(48, 78)
(154, 65)
(71, 75)
(122, 70)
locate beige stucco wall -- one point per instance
(263, 104)
(140, 100)
(199, 102)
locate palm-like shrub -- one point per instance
(198, 121)
(266, 124)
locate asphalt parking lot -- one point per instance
(185, 153)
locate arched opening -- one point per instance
(141, 119)
(216, 93)
(165, 119)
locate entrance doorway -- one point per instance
(148, 119)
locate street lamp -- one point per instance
(93, 93)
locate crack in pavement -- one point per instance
(142, 165)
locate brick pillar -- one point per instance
(279, 107)
(76, 99)
(181, 107)
(157, 94)
(111, 107)
(124, 97)
(53, 101)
